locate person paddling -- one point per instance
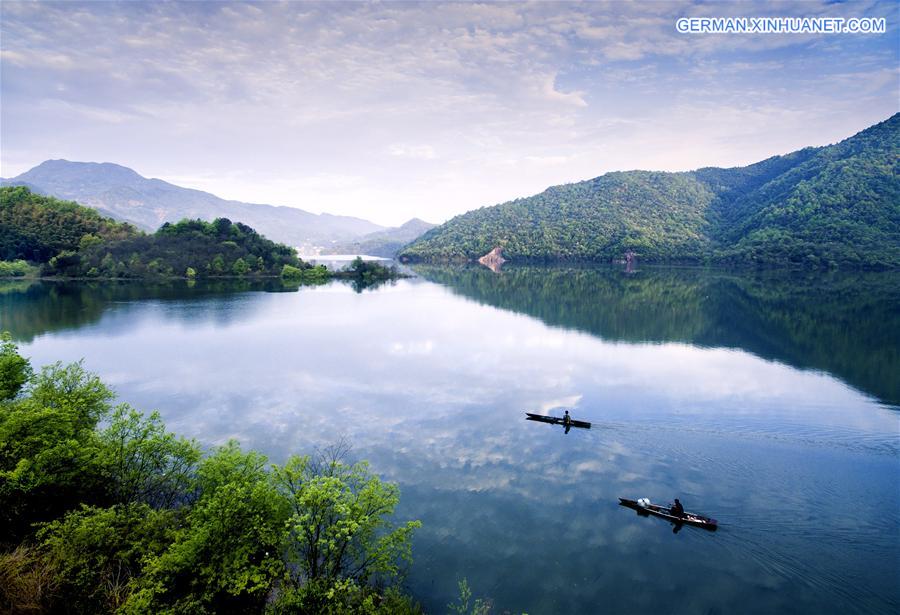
(567, 420)
(677, 509)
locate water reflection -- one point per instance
(30, 308)
(847, 324)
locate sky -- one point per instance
(390, 110)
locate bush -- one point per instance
(343, 598)
(289, 272)
(14, 269)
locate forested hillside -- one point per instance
(75, 241)
(830, 206)
(191, 248)
(36, 228)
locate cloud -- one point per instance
(549, 91)
(86, 112)
(548, 160)
(421, 152)
(55, 61)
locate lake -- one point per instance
(770, 401)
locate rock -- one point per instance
(493, 260)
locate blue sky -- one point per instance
(392, 110)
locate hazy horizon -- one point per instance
(393, 111)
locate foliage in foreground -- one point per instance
(103, 510)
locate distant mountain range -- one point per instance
(837, 205)
(384, 243)
(123, 194)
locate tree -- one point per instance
(226, 557)
(50, 460)
(146, 464)
(15, 370)
(97, 552)
(290, 272)
(218, 264)
(240, 267)
(338, 526)
(89, 240)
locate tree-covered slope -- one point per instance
(834, 205)
(837, 205)
(36, 228)
(659, 215)
(68, 239)
(188, 248)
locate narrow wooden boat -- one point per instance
(689, 518)
(555, 420)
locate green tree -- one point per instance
(218, 264)
(145, 463)
(89, 240)
(15, 370)
(96, 553)
(50, 458)
(240, 267)
(127, 517)
(15, 269)
(226, 557)
(289, 272)
(108, 265)
(339, 524)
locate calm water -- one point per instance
(767, 401)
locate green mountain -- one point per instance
(818, 207)
(75, 241)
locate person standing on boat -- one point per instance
(677, 509)
(567, 420)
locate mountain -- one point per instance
(384, 243)
(122, 193)
(824, 206)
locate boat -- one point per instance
(555, 420)
(643, 506)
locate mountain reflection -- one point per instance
(847, 324)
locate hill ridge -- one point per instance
(835, 205)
